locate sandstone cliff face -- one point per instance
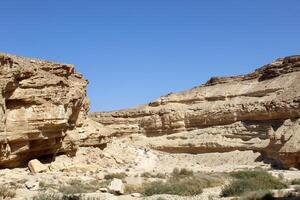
(259, 111)
(41, 105)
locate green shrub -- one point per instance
(182, 182)
(183, 188)
(249, 181)
(121, 175)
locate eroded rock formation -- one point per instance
(259, 111)
(41, 105)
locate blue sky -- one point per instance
(133, 51)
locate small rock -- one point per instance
(32, 184)
(100, 176)
(136, 195)
(104, 190)
(116, 186)
(35, 166)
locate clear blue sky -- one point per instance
(133, 51)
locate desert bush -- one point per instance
(180, 182)
(47, 196)
(77, 186)
(161, 198)
(160, 175)
(295, 182)
(54, 196)
(146, 175)
(149, 175)
(46, 185)
(132, 189)
(249, 181)
(180, 173)
(7, 192)
(187, 186)
(183, 188)
(258, 195)
(121, 176)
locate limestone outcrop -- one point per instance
(258, 111)
(42, 103)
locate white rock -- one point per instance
(32, 184)
(136, 195)
(116, 186)
(35, 166)
(100, 176)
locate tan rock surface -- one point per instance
(257, 112)
(42, 103)
(35, 166)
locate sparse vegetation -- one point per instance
(45, 185)
(149, 175)
(146, 175)
(54, 196)
(160, 198)
(121, 176)
(181, 173)
(180, 182)
(47, 196)
(188, 187)
(76, 186)
(250, 181)
(7, 192)
(258, 195)
(295, 182)
(132, 189)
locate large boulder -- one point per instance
(116, 186)
(35, 166)
(258, 111)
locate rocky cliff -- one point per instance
(259, 111)
(41, 103)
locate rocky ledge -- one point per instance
(259, 111)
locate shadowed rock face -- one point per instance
(41, 104)
(259, 111)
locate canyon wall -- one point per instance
(259, 111)
(44, 112)
(42, 103)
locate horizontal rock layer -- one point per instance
(259, 111)
(41, 103)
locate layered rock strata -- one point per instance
(259, 111)
(41, 103)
